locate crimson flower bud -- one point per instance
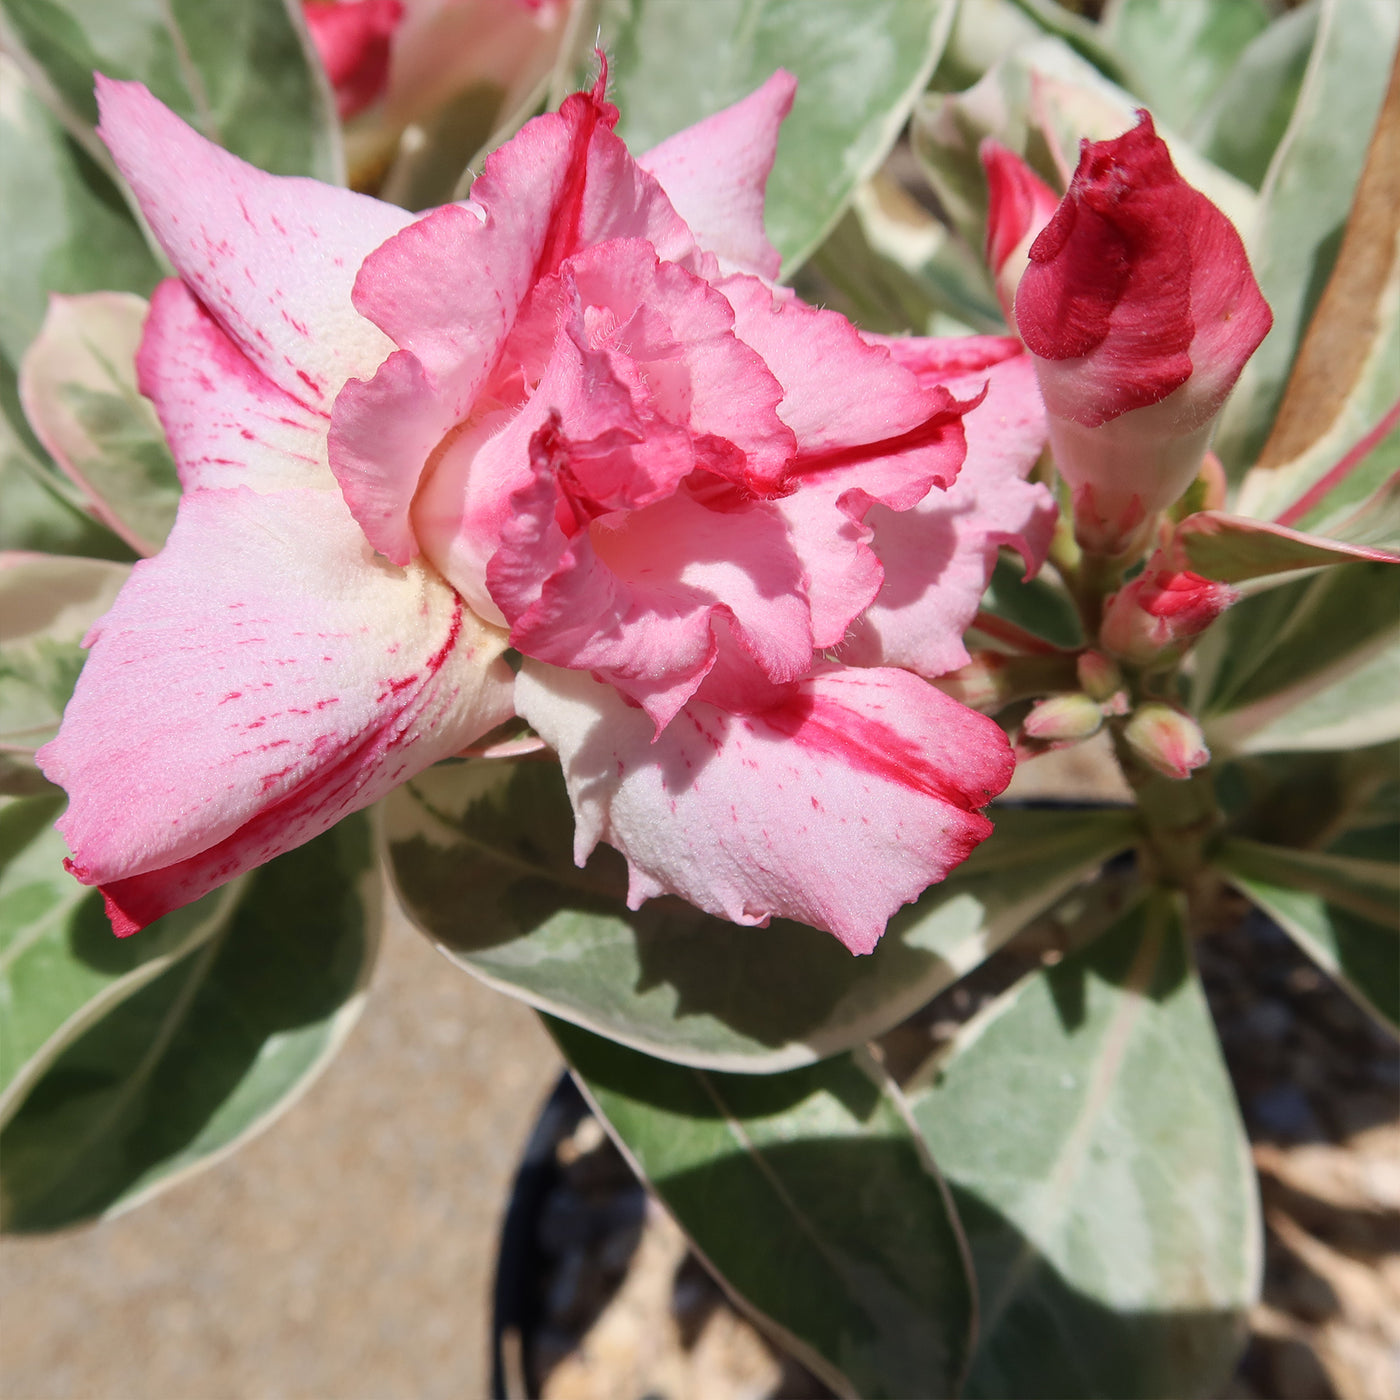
(352, 41)
(1140, 309)
(1161, 608)
(1170, 741)
(1019, 205)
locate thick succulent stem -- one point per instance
(1180, 818)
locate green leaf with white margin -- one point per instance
(1342, 910)
(1309, 665)
(1236, 548)
(210, 1052)
(1376, 522)
(859, 66)
(65, 229)
(47, 604)
(1240, 125)
(1176, 53)
(245, 75)
(1335, 446)
(1311, 800)
(61, 970)
(1045, 79)
(1081, 35)
(77, 382)
(984, 32)
(894, 268)
(35, 514)
(1089, 1135)
(809, 1196)
(1304, 204)
(1349, 707)
(482, 857)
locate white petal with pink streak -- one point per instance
(835, 807)
(227, 423)
(259, 679)
(273, 257)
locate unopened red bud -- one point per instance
(1161, 608)
(1063, 719)
(1140, 308)
(1019, 205)
(1167, 739)
(1099, 675)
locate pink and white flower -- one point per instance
(576, 415)
(417, 55)
(353, 40)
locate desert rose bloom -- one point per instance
(1161, 608)
(1140, 309)
(352, 38)
(417, 55)
(574, 413)
(1019, 205)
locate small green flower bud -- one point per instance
(1063, 719)
(1169, 740)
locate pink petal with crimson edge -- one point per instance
(934, 360)
(829, 516)
(259, 679)
(466, 501)
(272, 257)
(694, 370)
(450, 287)
(938, 557)
(826, 521)
(226, 422)
(840, 803)
(716, 172)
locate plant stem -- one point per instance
(1179, 819)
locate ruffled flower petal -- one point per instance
(840, 802)
(938, 557)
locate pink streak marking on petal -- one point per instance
(822, 726)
